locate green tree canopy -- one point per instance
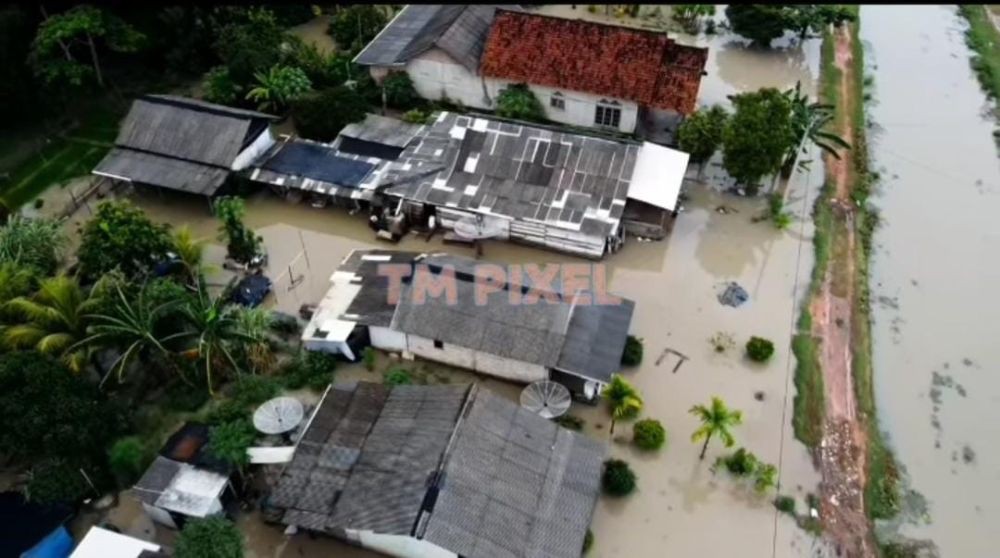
(354, 26)
(229, 442)
(701, 133)
(61, 38)
(48, 412)
(119, 235)
(321, 115)
(762, 23)
(517, 101)
(278, 86)
(242, 243)
(623, 399)
(399, 91)
(220, 87)
(32, 243)
(250, 44)
(758, 135)
(213, 537)
(716, 420)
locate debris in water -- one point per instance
(967, 361)
(734, 295)
(968, 455)
(759, 395)
(960, 389)
(726, 210)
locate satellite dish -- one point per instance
(478, 227)
(278, 415)
(546, 399)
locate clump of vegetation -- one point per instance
(321, 115)
(250, 391)
(416, 116)
(762, 23)
(128, 458)
(785, 504)
(32, 244)
(618, 478)
(213, 537)
(518, 102)
(242, 244)
(623, 400)
(649, 434)
(120, 236)
(632, 356)
(355, 25)
(398, 377)
(278, 87)
(743, 463)
(399, 91)
(570, 422)
(722, 341)
(312, 369)
(368, 358)
(759, 349)
(690, 15)
(716, 420)
(984, 40)
(700, 134)
(588, 541)
(776, 210)
(758, 136)
(56, 481)
(229, 442)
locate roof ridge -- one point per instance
(197, 105)
(588, 22)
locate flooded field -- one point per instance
(935, 270)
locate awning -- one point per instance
(658, 174)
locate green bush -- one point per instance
(741, 463)
(128, 458)
(785, 504)
(632, 356)
(226, 411)
(517, 101)
(649, 434)
(354, 26)
(250, 391)
(759, 349)
(618, 478)
(213, 537)
(588, 541)
(229, 442)
(416, 116)
(312, 369)
(569, 422)
(321, 115)
(368, 358)
(56, 481)
(397, 377)
(399, 91)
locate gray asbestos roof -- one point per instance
(459, 30)
(181, 144)
(508, 483)
(382, 129)
(525, 173)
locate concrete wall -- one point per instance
(436, 75)
(580, 106)
(400, 546)
(263, 142)
(387, 339)
(484, 363)
(328, 346)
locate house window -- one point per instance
(557, 101)
(608, 114)
(438, 344)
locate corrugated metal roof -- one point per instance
(319, 163)
(175, 174)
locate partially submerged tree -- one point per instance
(618, 479)
(700, 134)
(716, 420)
(278, 87)
(56, 50)
(761, 23)
(250, 44)
(517, 101)
(321, 115)
(242, 244)
(758, 136)
(354, 26)
(623, 399)
(121, 236)
(810, 122)
(213, 537)
(689, 15)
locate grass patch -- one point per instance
(984, 40)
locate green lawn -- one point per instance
(984, 39)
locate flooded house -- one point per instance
(439, 472)
(487, 319)
(185, 145)
(591, 74)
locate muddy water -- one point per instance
(681, 504)
(935, 271)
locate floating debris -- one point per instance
(734, 295)
(968, 455)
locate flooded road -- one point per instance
(935, 271)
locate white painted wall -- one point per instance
(328, 346)
(580, 106)
(435, 75)
(400, 546)
(478, 361)
(159, 515)
(263, 142)
(387, 339)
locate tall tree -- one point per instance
(716, 420)
(356, 25)
(242, 243)
(52, 321)
(758, 136)
(701, 133)
(55, 49)
(623, 400)
(120, 236)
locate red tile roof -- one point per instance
(621, 62)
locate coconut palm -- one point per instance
(131, 325)
(52, 321)
(623, 399)
(190, 251)
(279, 86)
(716, 420)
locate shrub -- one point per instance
(39, 203)
(517, 101)
(356, 25)
(368, 358)
(618, 478)
(632, 355)
(321, 115)
(229, 442)
(416, 116)
(128, 458)
(397, 377)
(759, 349)
(250, 391)
(569, 422)
(721, 341)
(588, 541)
(56, 481)
(649, 434)
(226, 411)
(213, 537)
(219, 87)
(311, 369)
(741, 463)
(785, 504)
(399, 91)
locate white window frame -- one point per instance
(608, 114)
(557, 101)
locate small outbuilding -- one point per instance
(185, 144)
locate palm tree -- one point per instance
(213, 332)
(129, 324)
(54, 319)
(716, 419)
(623, 399)
(278, 87)
(809, 121)
(190, 251)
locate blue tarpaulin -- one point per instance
(58, 544)
(319, 163)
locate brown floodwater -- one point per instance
(935, 271)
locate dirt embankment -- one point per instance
(843, 451)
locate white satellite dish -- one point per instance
(546, 399)
(479, 227)
(278, 415)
